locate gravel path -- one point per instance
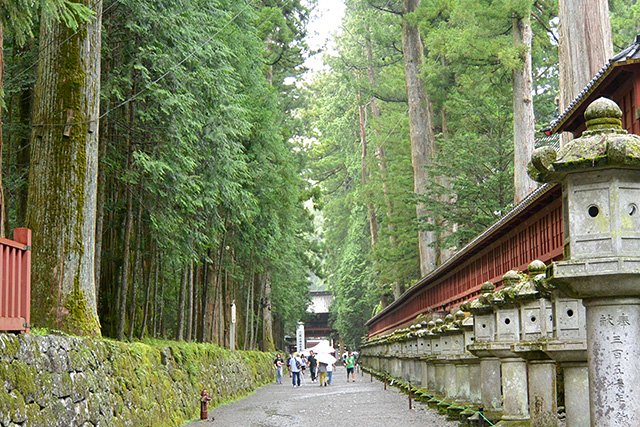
(348, 404)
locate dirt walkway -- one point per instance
(348, 404)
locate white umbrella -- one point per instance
(325, 358)
(322, 347)
(306, 352)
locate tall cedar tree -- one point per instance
(62, 179)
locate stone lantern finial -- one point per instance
(511, 278)
(537, 267)
(603, 144)
(603, 116)
(487, 288)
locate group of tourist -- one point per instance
(321, 372)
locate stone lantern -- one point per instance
(484, 333)
(450, 342)
(438, 361)
(537, 330)
(600, 176)
(474, 363)
(430, 357)
(515, 403)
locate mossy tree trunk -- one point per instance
(380, 152)
(3, 210)
(420, 130)
(523, 117)
(183, 291)
(61, 208)
(126, 248)
(371, 213)
(102, 154)
(190, 304)
(586, 44)
(267, 315)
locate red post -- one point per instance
(204, 402)
(15, 282)
(23, 235)
(409, 395)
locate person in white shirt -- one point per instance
(330, 372)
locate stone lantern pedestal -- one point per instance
(600, 176)
(484, 326)
(569, 349)
(515, 402)
(536, 329)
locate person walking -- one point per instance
(295, 364)
(350, 362)
(312, 366)
(304, 364)
(330, 368)
(278, 363)
(322, 374)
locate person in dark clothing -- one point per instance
(312, 362)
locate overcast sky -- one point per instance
(325, 21)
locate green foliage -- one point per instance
(471, 57)
(18, 16)
(625, 22)
(211, 159)
(359, 273)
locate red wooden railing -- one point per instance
(15, 281)
(532, 232)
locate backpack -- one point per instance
(298, 364)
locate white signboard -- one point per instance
(233, 313)
(300, 337)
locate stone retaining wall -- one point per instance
(69, 381)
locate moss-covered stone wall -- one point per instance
(68, 381)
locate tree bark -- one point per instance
(190, 303)
(154, 322)
(147, 296)
(585, 46)
(267, 315)
(373, 221)
(420, 130)
(100, 212)
(252, 301)
(523, 117)
(380, 153)
(126, 250)
(138, 276)
(260, 306)
(161, 320)
(3, 208)
(183, 291)
(62, 180)
(205, 298)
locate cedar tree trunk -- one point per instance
(61, 208)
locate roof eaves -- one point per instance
(604, 71)
(629, 55)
